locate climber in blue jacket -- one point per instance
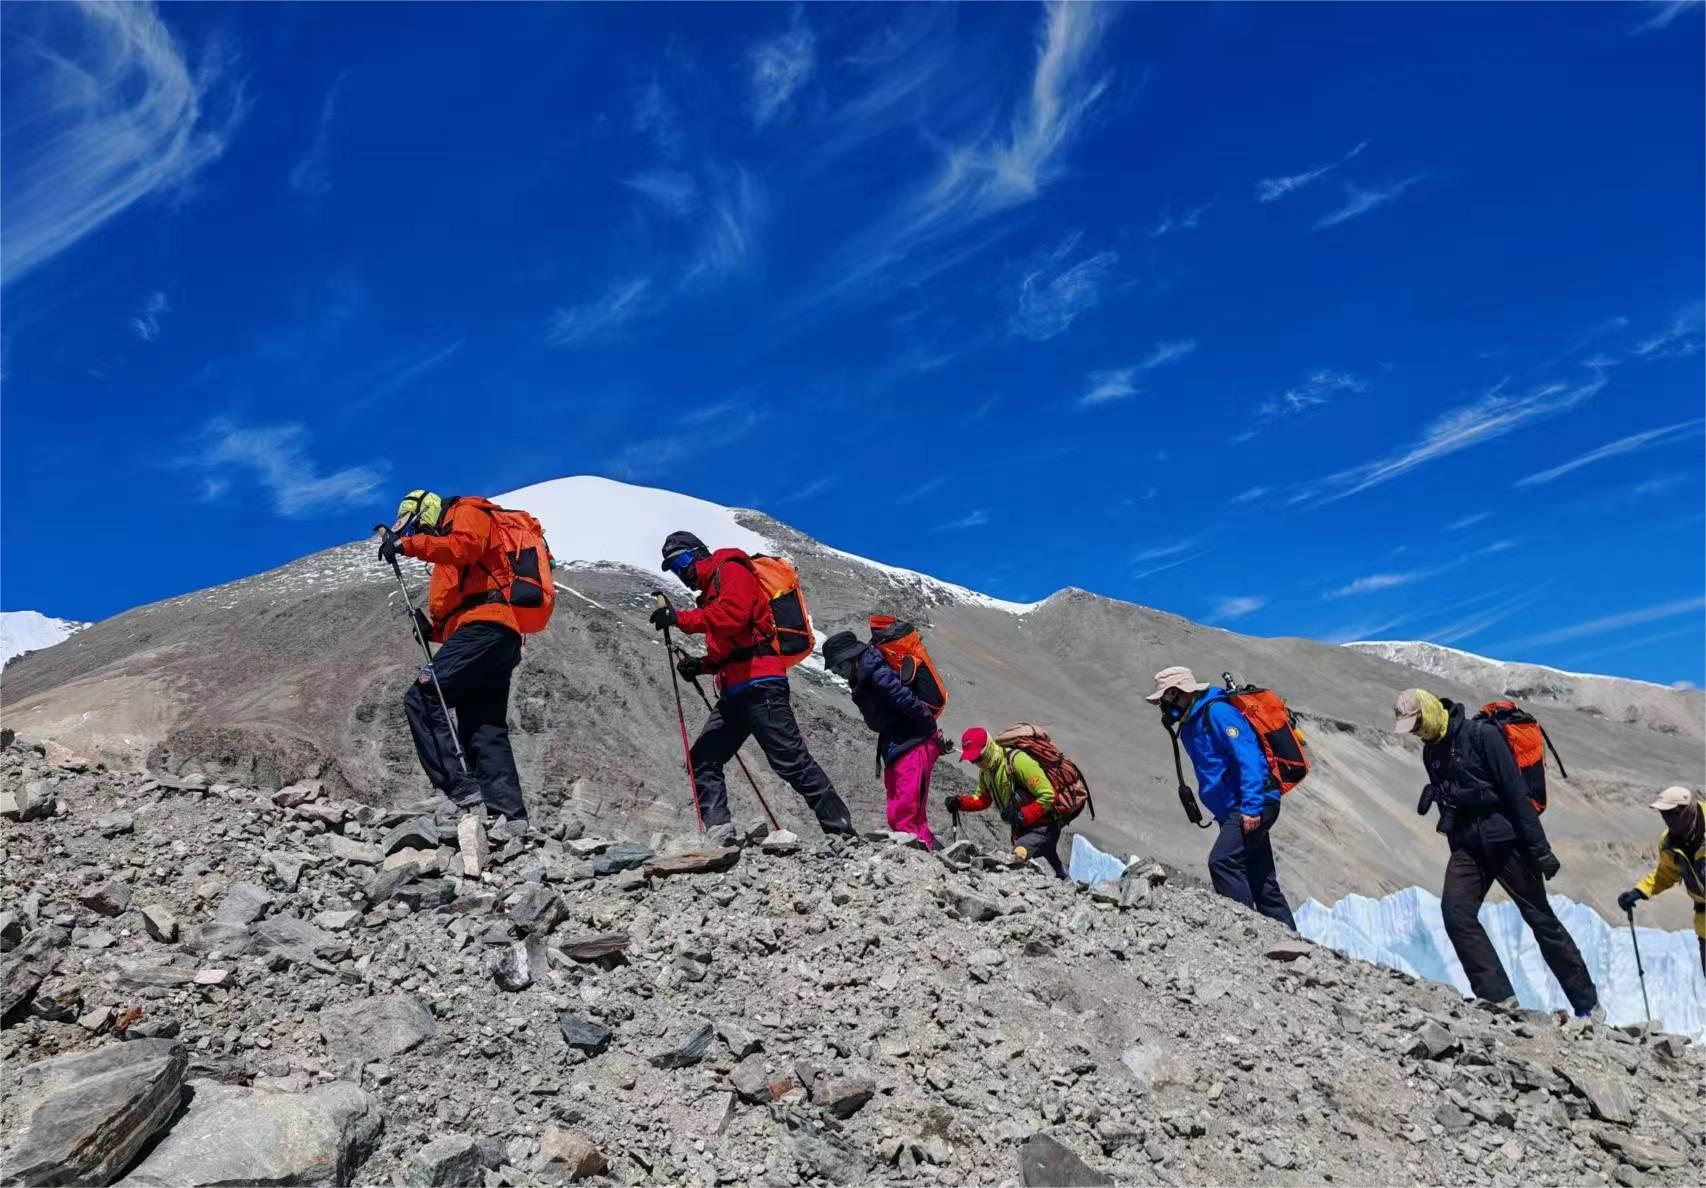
(1234, 784)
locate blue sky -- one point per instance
(1338, 321)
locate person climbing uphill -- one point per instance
(908, 743)
(1495, 836)
(734, 615)
(1235, 785)
(1019, 788)
(1682, 859)
(469, 614)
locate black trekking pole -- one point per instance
(1639, 972)
(420, 638)
(699, 689)
(680, 714)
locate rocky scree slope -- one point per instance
(210, 984)
(297, 674)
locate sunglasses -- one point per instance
(681, 562)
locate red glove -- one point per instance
(1033, 814)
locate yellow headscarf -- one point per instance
(1435, 718)
(419, 509)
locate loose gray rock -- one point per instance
(111, 898)
(844, 1096)
(1045, 1162)
(243, 905)
(1644, 1153)
(86, 1115)
(336, 921)
(473, 845)
(740, 1041)
(600, 947)
(161, 924)
(538, 911)
(1433, 1040)
(115, 824)
(23, 969)
(418, 833)
(621, 856)
(451, 1161)
(376, 1028)
(830, 1156)
(345, 849)
(232, 1134)
(749, 1080)
(583, 1035)
(298, 941)
(694, 862)
(512, 967)
(1288, 950)
(580, 1157)
(1608, 1100)
(689, 1051)
(35, 800)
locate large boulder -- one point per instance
(86, 1115)
(232, 1134)
(376, 1028)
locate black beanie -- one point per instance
(682, 542)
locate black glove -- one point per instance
(1426, 803)
(945, 743)
(423, 624)
(1548, 865)
(388, 550)
(1626, 902)
(663, 616)
(953, 803)
(690, 667)
(1010, 814)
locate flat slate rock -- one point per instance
(378, 1028)
(88, 1114)
(620, 857)
(233, 1134)
(596, 947)
(418, 833)
(298, 941)
(690, 1051)
(694, 862)
(584, 1035)
(1045, 1162)
(243, 905)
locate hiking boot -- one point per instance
(466, 795)
(1593, 1016)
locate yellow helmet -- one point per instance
(419, 509)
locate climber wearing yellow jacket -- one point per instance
(1682, 859)
(1018, 787)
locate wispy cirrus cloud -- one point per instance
(1171, 224)
(655, 114)
(1110, 385)
(276, 458)
(1272, 189)
(654, 456)
(1661, 14)
(102, 111)
(1680, 338)
(1631, 444)
(1053, 292)
(673, 191)
(1359, 201)
(812, 489)
(1376, 582)
(311, 177)
(993, 172)
(1249, 495)
(972, 519)
(736, 211)
(1494, 415)
(927, 487)
(1468, 521)
(1608, 623)
(1163, 353)
(778, 67)
(1318, 387)
(145, 323)
(603, 316)
(1236, 607)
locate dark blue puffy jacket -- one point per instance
(896, 713)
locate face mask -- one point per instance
(845, 670)
(1436, 719)
(682, 566)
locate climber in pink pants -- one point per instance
(907, 782)
(907, 742)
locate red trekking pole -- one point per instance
(680, 714)
(774, 823)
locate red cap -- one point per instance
(972, 743)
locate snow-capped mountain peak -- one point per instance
(31, 631)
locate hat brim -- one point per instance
(1407, 723)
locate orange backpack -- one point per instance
(1071, 790)
(793, 640)
(527, 585)
(903, 648)
(1281, 741)
(1528, 742)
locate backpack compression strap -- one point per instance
(1547, 738)
(1187, 798)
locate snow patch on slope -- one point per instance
(31, 631)
(1454, 662)
(591, 521)
(1405, 931)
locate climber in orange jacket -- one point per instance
(469, 616)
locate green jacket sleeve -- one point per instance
(1032, 776)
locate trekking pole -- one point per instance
(420, 638)
(680, 714)
(1639, 972)
(699, 689)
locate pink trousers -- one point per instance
(907, 783)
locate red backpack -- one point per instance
(1528, 742)
(1071, 790)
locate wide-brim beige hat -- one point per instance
(1674, 797)
(1177, 677)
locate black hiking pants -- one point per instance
(1241, 865)
(1469, 875)
(1042, 841)
(762, 711)
(473, 668)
